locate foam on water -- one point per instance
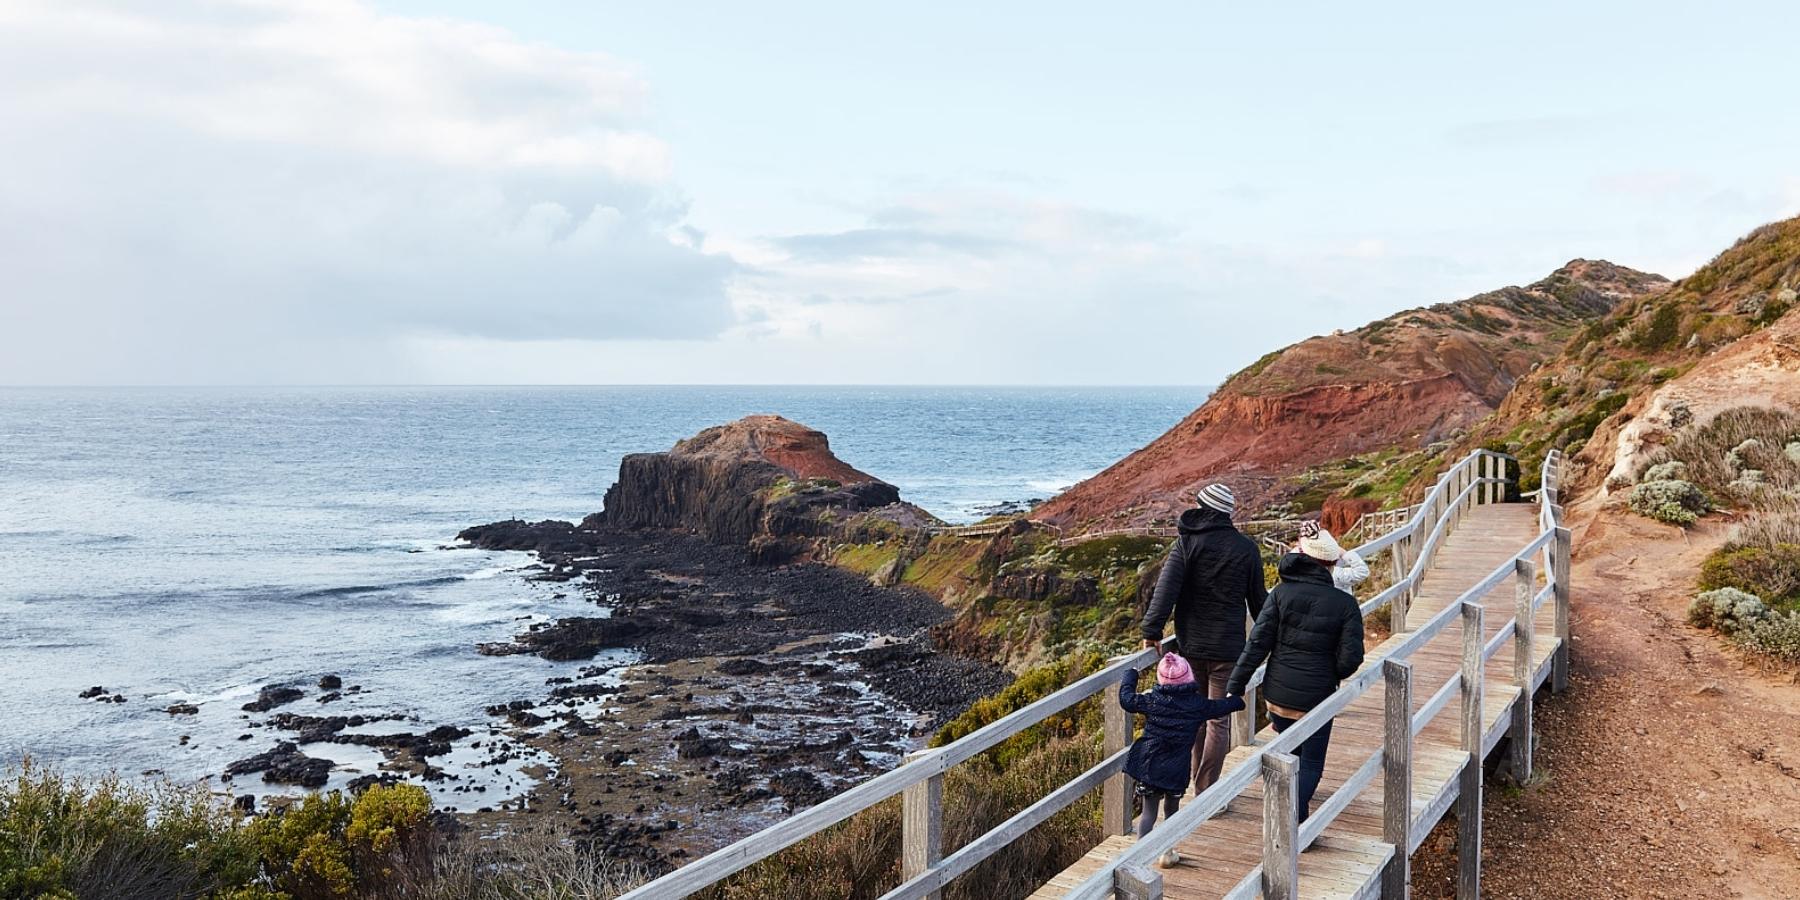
(191, 546)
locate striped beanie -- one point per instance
(1219, 497)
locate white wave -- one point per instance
(491, 572)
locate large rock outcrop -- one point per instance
(1405, 381)
(761, 476)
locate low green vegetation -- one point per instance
(65, 838)
(1672, 501)
(859, 858)
(1771, 635)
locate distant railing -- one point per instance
(925, 869)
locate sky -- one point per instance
(450, 191)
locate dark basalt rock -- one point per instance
(272, 696)
(284, 764)
(330, 683)
(182, 709)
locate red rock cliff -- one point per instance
(726, 483)
(1405, 381)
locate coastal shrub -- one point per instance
(1775, 636)
(527, 866)
(859, 858)
(330, 846)
(1716, 455)
(1663, 330)
(1673, 470)
(64, 837)
(1771, 572)
(1725, 609)
(1772, 635)
(1032, 685)
(1675, 502)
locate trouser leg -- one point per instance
(1214, 740)
(1312, 762)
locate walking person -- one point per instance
(1211, 585)
(1311, 633)
(1173, 712)
(1350, 569)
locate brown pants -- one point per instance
(1214, 739)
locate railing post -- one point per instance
(1115, 792)
(1559, 575)
(1243, 722)
(1281, 827)
(922, 826)
(1468, 800)
(1524, 662)
(1396, 777)
(1135, 882)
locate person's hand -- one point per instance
(1152, 645)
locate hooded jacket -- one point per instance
(1212, 577)
(1161, 757)
(1310, 632)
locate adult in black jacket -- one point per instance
(1159, 759)
(1211, 584)
(1311, 633)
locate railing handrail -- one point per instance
(933, 763)
(1177, 827)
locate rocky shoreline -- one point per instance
(759, 690)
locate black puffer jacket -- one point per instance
(1310, 632)
(1212, 576)
(1162, 756)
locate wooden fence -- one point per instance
(926, 868)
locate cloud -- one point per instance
(274, 185)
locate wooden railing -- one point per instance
(926, 869)
(1131, 873)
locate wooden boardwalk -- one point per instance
(1224, 855)
(1475, 582)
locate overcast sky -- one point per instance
(343, 191)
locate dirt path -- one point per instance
(1670, 768)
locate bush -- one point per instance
(1676, 502)
(1673, 470)
(1725, 609)
(66, 838)
(1776, 636)
(1716, 455)
(1770, 572)
(330, 846)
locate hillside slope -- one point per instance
(1408, 380)
(1719, 338)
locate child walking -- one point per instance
(1173, 712)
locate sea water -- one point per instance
(191, 545)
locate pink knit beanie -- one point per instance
(1174, 670)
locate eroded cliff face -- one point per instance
(1722, 337)
(757, 479)
(1407, 381)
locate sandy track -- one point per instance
(1671, 768)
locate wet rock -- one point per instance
(272, 696)
(182, 709)
(93, 693)
(244, 803)
(330, 683)
(284, 764)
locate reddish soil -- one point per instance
(803, 451)
(1671, 767)
(1409, 380)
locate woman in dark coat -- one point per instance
(1312, 635)
(1173, 712)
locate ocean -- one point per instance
(191, 545)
